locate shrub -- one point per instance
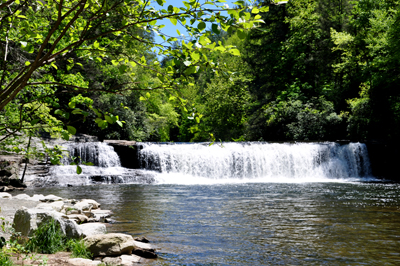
(47, 239)
(78, 249)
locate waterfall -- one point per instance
(98, 153)
(257, 161)
(106, 167)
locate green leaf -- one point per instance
(71, 130)
(173, 20)
(119, 123)
(241, 34)
(27, 63)
(77, 111)
(235, 52)
(201, 26)
(65, 135)
(108, 118)
(96, 45)
(255, 10)
(34, 122)
(122, 69)
(78, 170)
(215, 29)
(58, 112)
(195, 56)
(148, 95)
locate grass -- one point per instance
(78, 249)
(5, 259)
(47, 239)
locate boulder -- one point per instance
(5, 195)
(90, 229)
(27, 221)
(110, 244)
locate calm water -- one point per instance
(257, 224)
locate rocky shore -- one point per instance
(77, 219)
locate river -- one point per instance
(347, 223)
(246, 204)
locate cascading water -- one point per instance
(255, 162)
(106, 167)
(98, 153)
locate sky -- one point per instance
(170, 29)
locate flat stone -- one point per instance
(5, 195)
(83, 262)
(51, 198)
(90, 229)
(120, 142)
(144, 253)
(142, 239)
(37, 197)
(79, 218)
(128, 260)
(22, 196)
(112, 261)
(56, 205)
(87, 205)
(145, 246)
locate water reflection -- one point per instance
(258, 224)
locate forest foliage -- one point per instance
(268, 70)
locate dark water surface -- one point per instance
(256, 224)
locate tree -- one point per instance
(45, 46)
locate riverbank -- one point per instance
(78, 220)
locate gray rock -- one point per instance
(27, 221)
(90, 229)
(110, 244)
